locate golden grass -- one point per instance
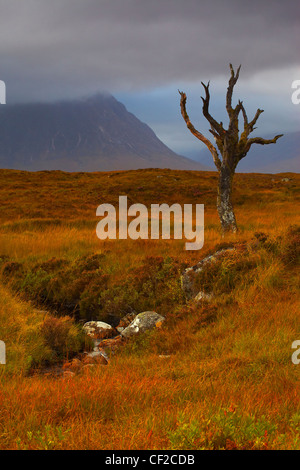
(20, 324)
(225, 378)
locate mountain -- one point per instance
(94, 134)
(284, 156)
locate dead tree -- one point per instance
(231, 147)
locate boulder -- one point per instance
(109, 346)
(143, 321)
(98, 329)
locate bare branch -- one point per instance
(232, 81)
(249, 126)
(261, 141)
(214, 124)
(258, 113)
(233, 123)
(214, 133)
(233, 113)
(196, 133)
(245, 116)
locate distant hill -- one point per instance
(84, 135)
(284, 156)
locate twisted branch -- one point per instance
(261, 141)
(218, 127)
(232, 81)
(196, 133)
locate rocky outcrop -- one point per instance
(107, 341)
(189, 274)
(86, 361)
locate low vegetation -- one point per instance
(217, 375)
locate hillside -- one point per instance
(216, 375)
(94, 134)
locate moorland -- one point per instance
(217, 375)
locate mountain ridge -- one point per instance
(92, 134)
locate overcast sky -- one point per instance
(142, 51)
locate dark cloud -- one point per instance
(64, 48)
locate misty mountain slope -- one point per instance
(85, 135)
(284, 156)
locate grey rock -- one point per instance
(203, 296)
(143, 321)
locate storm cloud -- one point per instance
(71, 48)
(143, 51)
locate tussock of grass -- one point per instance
(34, 338)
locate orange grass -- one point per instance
(216, 376)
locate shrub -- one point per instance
(3, 259)
(83, 288)
(35, 285)
(62, 336)
(11, 268)
(226, 430)
(225, 273)
(290, 254)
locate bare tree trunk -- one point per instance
(224, 204)
(231, 146)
